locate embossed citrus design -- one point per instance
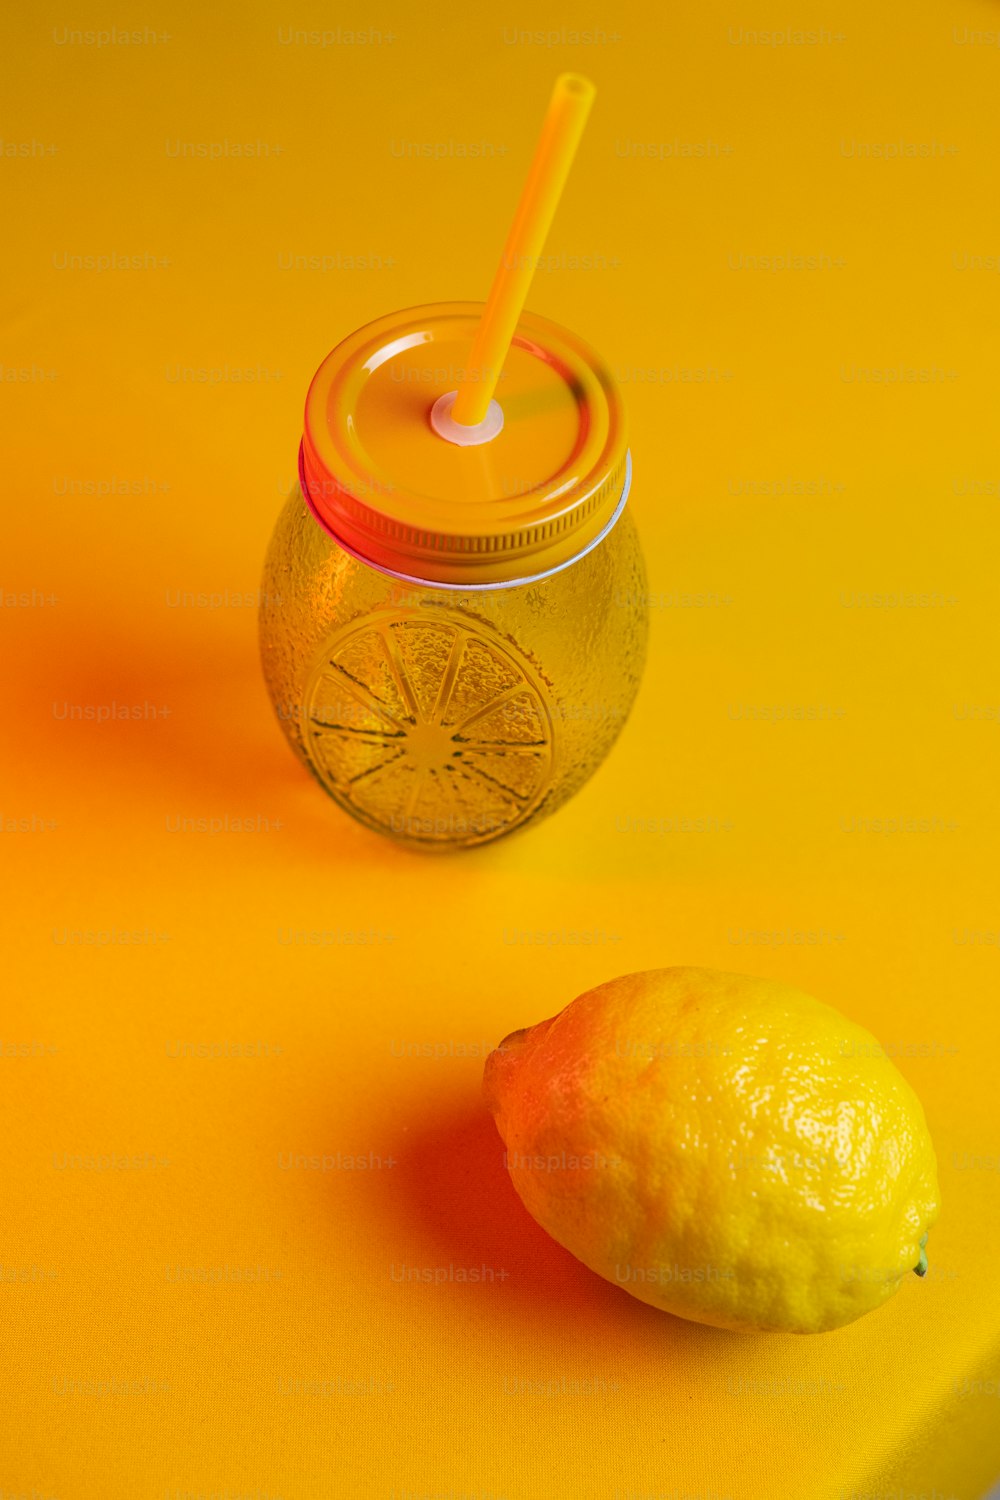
(427, 728)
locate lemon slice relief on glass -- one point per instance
(429, 729)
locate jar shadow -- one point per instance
(183, 728)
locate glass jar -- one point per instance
(452, 634)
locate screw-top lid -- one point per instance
(397, 494)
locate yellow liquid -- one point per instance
(441, 718)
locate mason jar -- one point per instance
(453, 633)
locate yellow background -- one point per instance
(785, 712)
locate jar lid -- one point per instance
(403, 498)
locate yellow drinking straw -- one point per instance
(561, 132)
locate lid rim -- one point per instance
(471, 586)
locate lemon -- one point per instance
(722, 1147)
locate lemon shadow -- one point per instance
(455, 1187)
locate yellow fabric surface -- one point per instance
(312, 1277)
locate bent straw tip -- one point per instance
(575, 83)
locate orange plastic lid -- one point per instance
(397, 495)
